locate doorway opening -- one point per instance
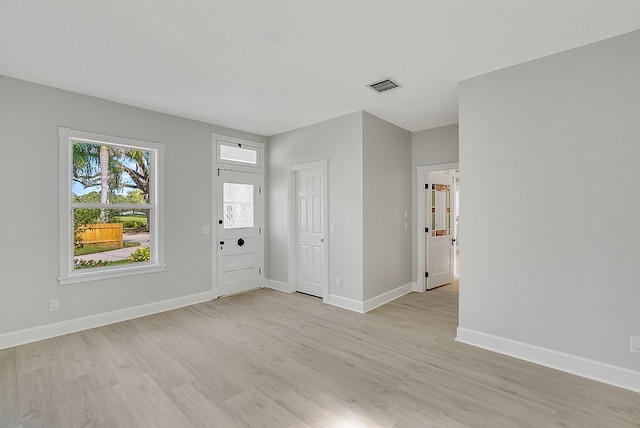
(438, 216)
(238, 216)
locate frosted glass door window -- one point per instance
(238, 205)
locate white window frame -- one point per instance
(222, 140)
(156, 207)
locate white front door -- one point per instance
(440, 200)
(240, 255)
(311, 234)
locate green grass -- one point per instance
(93, 249)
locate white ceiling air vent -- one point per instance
(383, 85)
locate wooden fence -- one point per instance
(102, 234)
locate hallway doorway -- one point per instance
(437, 231)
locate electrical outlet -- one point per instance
(338, 282)
(635, 344)
(206, 229)
(54, 305)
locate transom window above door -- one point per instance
(237, 152)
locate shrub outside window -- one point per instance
(111, 216)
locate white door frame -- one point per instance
(292, 223)
(216, 164)
(421, 172)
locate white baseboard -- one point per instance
(374, 302)
(387, 297)
(415, 287)
(280, 286)
(346, 303)
(590, 369)
(20, 337)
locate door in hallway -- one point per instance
(310, 251)
(440, 209)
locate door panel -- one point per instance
(440, 200)
(240, 257)
(311, 233)
(317, 215)
(317, 263)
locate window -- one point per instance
(238, 205)
(111, 216)
(234, 151)
(237, 153)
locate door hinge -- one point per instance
(218, 172)
(426, 230)
(426, 274)
(259, 271)
(259, 230)
(259, 189)
(426, 186)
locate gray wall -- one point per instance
(387, 196)
(29, 118)
(340, 141)
(434, 146)
(429, 147)
(549, 156)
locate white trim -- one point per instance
(387, 297)
(346, 303)
(280, 286)
(308, 165)
(590, 369)
(64, 190)
(421, 170)
(156, 207)
(291, 230)
(218, 139)
(108, 272)
(20, 337)
(414, 287)
(214, 217)
(292, 220)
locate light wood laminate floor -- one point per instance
(268, 359)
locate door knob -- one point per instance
(240, 242)
(219, 221)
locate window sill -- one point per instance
(93, 275)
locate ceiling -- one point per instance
(271, 66)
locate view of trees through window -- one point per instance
(111, 204)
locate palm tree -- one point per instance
(107, 167)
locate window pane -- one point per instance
(104, 173)
(238, 205)
(122, 239)
(441, 210)
(238, 154)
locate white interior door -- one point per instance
(310, 251)
(440, 209)
(240, 248)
